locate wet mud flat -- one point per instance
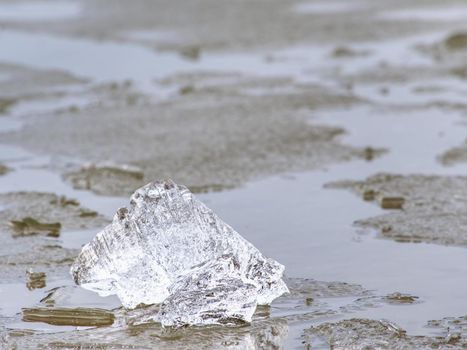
(309, 300)
(32, 223)
(364, 333)
(230, 136)
(420, 208)
(267, 125)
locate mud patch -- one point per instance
(77, 317)
(5, 104)
(456, 41)
(44, 208)
(434, 209)
(309, 288)
(29, 227)
(347, 52)
(449, 53)
(105, 179)
(401, 298)
(453, 328)
(25, 83)
(212, 26)
(374, 301)
(214, 138)
(454, 155)
(35, 254)
(35, 212)
(371, 334)
(35, 280)
(4, 169)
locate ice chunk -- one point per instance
(159, 240)
(213, 293)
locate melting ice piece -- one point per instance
(213, 293)
(156, 245)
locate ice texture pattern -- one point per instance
(213, 293)
(169, 248)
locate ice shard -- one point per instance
(166, 239)
(213, 293)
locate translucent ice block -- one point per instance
(159, 239)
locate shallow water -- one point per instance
(109, 61)
(435, 13)
(290, 217)
(39, 11)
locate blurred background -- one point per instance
(331, 134)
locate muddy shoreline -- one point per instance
(276, 118)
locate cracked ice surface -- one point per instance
(168, 246)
